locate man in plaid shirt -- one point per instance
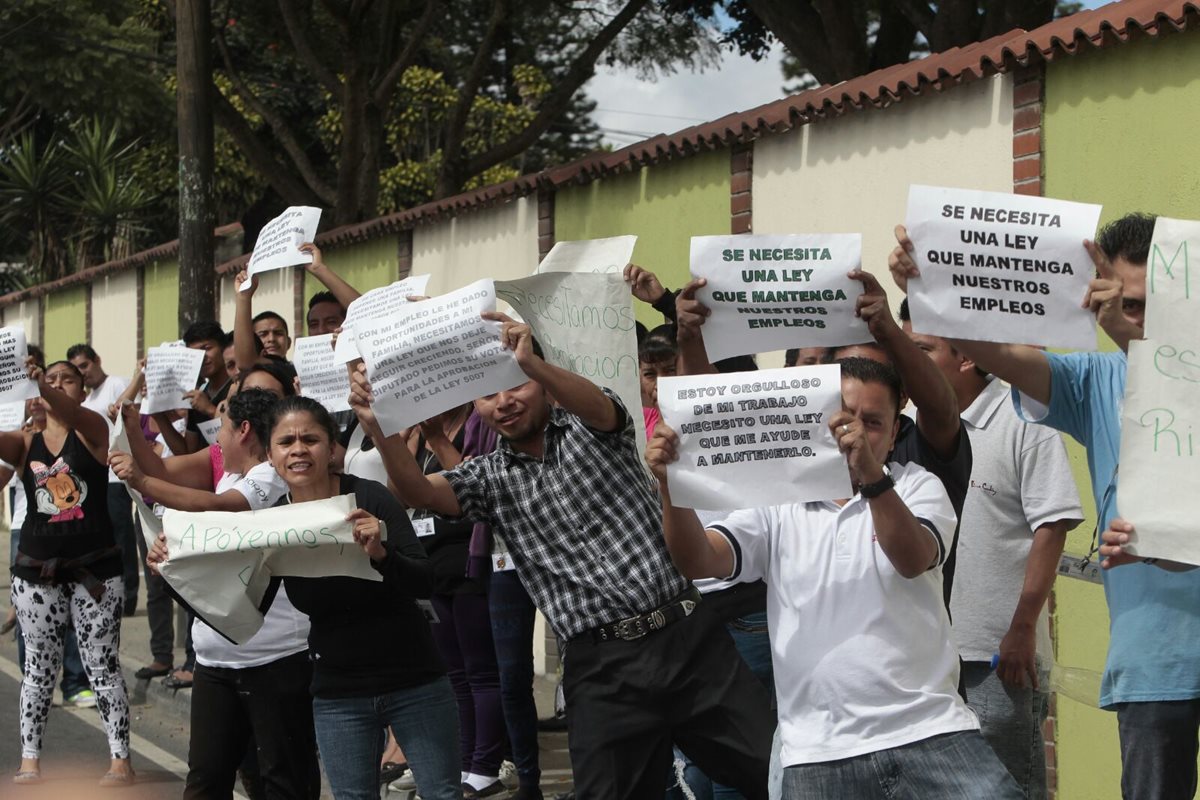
(646, 665)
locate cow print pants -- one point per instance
(43, 612)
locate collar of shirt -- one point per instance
(985, 406)
(558, 420)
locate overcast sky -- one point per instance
(629, 108)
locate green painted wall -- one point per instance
(1120, 126)
(66, 321)
(364, 266)
(161, 303)
(665, 205)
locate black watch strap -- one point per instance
(869, 490)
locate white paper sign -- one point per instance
(1159, 486)
(776, 292)
(221, 562)
(208, 429)
(589, 255)
(376, 304)
(322, 376)
(14, 379)
(278, 243)
(12, 415)
(999, 267)
(585, 324)
(749, 439)
(118, 439)
(434, 355)
(170, 371)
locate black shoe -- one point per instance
(130, 607)
(391, 771)
(554, 724)
(496, 789)
(155, 670)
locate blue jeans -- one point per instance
(424, 720)
(512, 614)
(754, 646)
(1158, 749)
(953, 766)
(1010, 719)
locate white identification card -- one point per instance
(424, 527)
(502, 562)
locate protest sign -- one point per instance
(1159, 487)
(208, 429)
(585, 324)
(1001, 267)
(222, 562)
(118, 440)
(278, 243)
(170, 371)
(375, 304)
(589, 255)
(12, 415)
(749, 439)
(14, 377)
(775, 292)
(322, 376)
(431, 356)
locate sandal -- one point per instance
(154, 670)
(116, 780)
(390, 771)
(28, 777)
(173, 681)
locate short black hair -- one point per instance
(38, 356)
(324, 297)
(279, 369)
(253, 406)
(204, 331)
(868, 370)
(905, 316)
(74, 368)
(658, 345)
(81, 349)
(791, 357)
(306, 405)
(1128, 237)
(259, 317)
(736, 364)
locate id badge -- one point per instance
(423, 526)
(502, 562)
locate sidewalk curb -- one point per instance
(141, 692)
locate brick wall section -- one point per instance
(404, 254)
(741, 198)
(1028, 99)
(545, 222)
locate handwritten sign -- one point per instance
(118, 440)
(585, 324)
(375, 304)
(1001, 267)
(776, 292)
(322, 376)
(14, 378)
(222, 562)
(170, 371)
(604, 256)
(749, 439)
(1159, 489)
(278, 243)
(431, 356)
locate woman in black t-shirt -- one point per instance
(374, 661)
(68, 568)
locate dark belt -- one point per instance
(638, 626)
(72, 569)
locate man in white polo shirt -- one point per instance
(865, 673)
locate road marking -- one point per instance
(138, 744)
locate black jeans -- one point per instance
(160, 608)
(1158, 749)
(271, 703)
(120, 513)
(628, 701)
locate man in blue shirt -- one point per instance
(1152, 675)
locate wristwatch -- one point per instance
(869, 490)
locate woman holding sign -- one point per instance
(374, 660)
(68, 568)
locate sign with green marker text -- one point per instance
(775, 292)
(1159, 489)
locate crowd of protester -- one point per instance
(890, 644)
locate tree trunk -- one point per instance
(196, 214)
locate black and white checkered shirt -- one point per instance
(583, 524)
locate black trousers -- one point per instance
(160, 608)
(270, 703)
(627, 702)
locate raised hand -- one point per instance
(514, 336)
(900, 260)
(872, 307)
(690, 313)
(368, 533)
(661, 450)
(643, 283)
(851, 439)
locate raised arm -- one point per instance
(188, 469)
(646, 287)
(90, 426)
(696, 552)
(344, 292)
(13, 445)
(690, 317)
(171, 494)
(573, 392)
(244, 350)
(412, 486)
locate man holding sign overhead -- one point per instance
(647, 664)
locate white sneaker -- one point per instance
(405, 783)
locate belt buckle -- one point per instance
(626, 629)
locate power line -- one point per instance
(646, 114)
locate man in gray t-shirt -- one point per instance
(1021, 502)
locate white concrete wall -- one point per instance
(25, 314)
(498, 242)
(852, 174)
(114, 322)
(275, 293)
